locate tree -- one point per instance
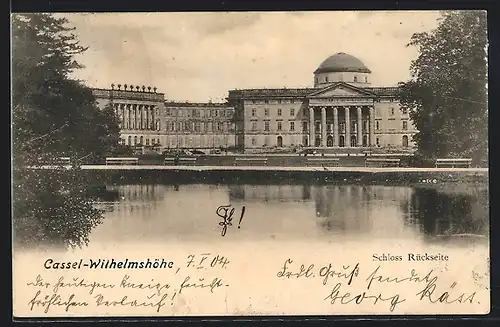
(447, 95)
(53, 115)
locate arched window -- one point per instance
(279, 141)
(329, 141)
(130, 140)
(353, 141)
(135, 140)
(141, 142)
(405, 141)
(341, 141)
(355, 78)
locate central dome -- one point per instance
(342, 62)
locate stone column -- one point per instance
(122, 116)
(347, 127)
(152, 118)
(335, 127)
(137, 113)
(359, 128)
(372, 126)
(323, 126)
(129, 111)
(141, 108)
(311, 127)
(148, 118)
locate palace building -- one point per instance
(342, 110)
(198, 125)
(140, 111)
(147, 119)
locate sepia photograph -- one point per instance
(250, 163)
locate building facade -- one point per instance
(147, 119)
(140, 111)
(342, 110)
(198, 125)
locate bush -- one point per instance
(417, 161)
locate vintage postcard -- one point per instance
(250, 163)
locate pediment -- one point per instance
(341, 90)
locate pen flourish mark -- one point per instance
(226, 212)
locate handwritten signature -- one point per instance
(345, 275)
(226, 212)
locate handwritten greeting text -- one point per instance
(201, 273)
(338, 280)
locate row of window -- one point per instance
(305, 126)
(279, 112)
(329, 127)
(354, 79)
(329, 141)
(404, 111)
(196, 126)
(215, 141)
(404, 127)
(284, 101)
(140, 140)
(305, 111)
(136, 109)
(183, 112)
(140, 125)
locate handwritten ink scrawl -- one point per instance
(187, 164)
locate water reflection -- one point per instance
(187, 212)
(449, 215)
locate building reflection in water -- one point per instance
(445, 214)
(294, 211)
(138, 199)
(355, 209)
(379, 210)
(269, 193)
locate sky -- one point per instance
(200, 56)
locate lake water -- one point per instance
(156, 213)
(316, 226)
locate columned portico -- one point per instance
(354, 127)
